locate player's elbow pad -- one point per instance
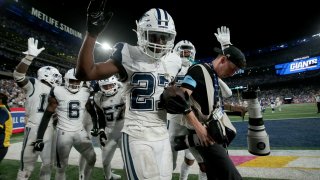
(19, 77)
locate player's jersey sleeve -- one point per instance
(117, 59)
(29, 88)
(172, 63)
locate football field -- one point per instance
(294, 129)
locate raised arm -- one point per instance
(19, 74)
(97, 20)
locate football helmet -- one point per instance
(109, 86)
(73, 87)
(186, 50)
(50, 75)
(156, 33)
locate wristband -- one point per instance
(29, 57)
(26, 61)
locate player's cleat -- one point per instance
(115, 176)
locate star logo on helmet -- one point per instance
(48, 68)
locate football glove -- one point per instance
(103, 137)
(223, 36)
(33, 50)
(38, 145)
(97, 17)
(175, 100)
(94, 132)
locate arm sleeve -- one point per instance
(91, 110)
(101, 118)
(43, 124)
(45, 118)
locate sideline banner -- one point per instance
(18, 115)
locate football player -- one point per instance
(68, 102)
(278, 103)
(186, 50)
(88, 126)
(110, 102)
(145, 140)
(37, 91)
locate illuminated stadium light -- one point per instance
(104, 45)
(315, 35)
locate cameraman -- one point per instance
(229, 60)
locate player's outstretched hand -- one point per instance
(33, 50)
(97, 17)
(223, 36)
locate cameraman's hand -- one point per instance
(38, 145)
(223, 36)
(103, 137)
(33, 50)
(97, 18)
(204, 137)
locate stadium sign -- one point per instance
(298, 66)
(18, 115)
(42, 16)
(36, 17)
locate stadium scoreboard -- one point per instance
(307, 64)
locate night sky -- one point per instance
(252, 26)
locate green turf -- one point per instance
(288, 111)
(9, 168)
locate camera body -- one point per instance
(218, 128)
(186, 141)
(257, 137)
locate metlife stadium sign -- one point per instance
(298, 66)
(38, 18)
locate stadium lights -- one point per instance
(315, 35)
(104, 45)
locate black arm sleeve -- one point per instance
(43, 124)
(101, 118)
(92, 112)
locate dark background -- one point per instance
(253, 25)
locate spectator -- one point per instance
(5, 126)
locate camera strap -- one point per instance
(212, 86)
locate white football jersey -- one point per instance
(143, 82)
(36, 100)
(112, 106)
(71, 107)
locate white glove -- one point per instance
(223, 37)
(33, 50)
